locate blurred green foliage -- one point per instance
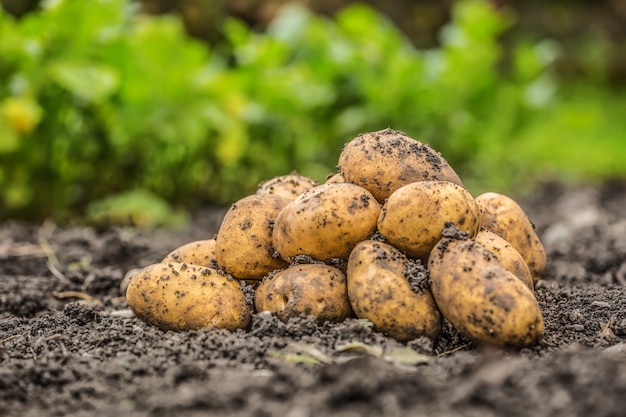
(106, 113)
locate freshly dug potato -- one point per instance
(386, 288)
(480, 298)
(504, 217)
(326, 222)
(200, 252)
(243, 245)
(305, 289)
(333, 178)
(384, 161)
(507, 255)
(290, 185)
(177, 296)
(414, 216)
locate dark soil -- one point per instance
(68, 345)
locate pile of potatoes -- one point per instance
(393, 237)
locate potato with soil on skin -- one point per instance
(177, 296)
(199, 252)
(326, 222)
(414, 216)
(384, 161)
(504, 217)
(507, 255)
(381, 290)
(305, 289)
(243, 245)
(480, 298)
(334, 178)
(290, 185)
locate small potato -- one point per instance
(290, 186)
(480, 298)
(504, 217)
(334, 178)
(415, 215)
(243, 246)
(380, 291)
(177, 296)
(507, 255)
(326, 222)
(200, 252)
(383, 161)
(305, 289)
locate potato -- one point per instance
(290, 186)
(326, 222)
(380, 290)
(243, 245)
(507, 255)
(199, 252)
(414, 216)
(333, 178)
(504, 217)
(305, 289)
(480, 298)
(177, 296)
(384, 161)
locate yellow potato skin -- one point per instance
(507, 255)
(504, 217)
(243, 245)
(334, 178)
(384, 161)
(413, 217)
(480, 298)
(379, 291)
(199, 252)
(177, 296)
(326, 222)
(289, 186)
(305, 289)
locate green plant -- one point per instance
(103, 106)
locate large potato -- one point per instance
(290, 185)
(480, 298)
(305, 289)
(384, 161)
(507, 255)
(177, 296)
(243, 245)
(199, 252)
(380, 291)
(326, 222)
(415, 215)
(504, 217)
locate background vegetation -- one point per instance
(109, 114)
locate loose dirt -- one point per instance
(68, 345)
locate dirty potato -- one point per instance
(243, 245)
(507, 255)
(199, 252)
(504, 217)
(305, 289)
(383, 161)
(290, 185)
(177, 296)
(414, 216)
(334, 178)
(326, 222)
(480, 298)
(391, 291)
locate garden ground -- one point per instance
(68, 345)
